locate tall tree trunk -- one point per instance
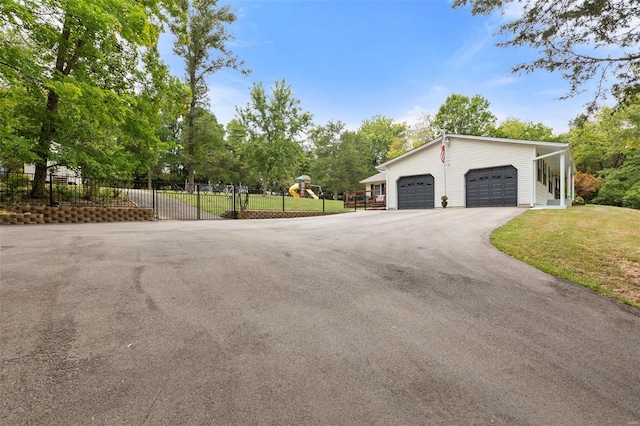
(44, 146)
(64, 66)
(191, 123)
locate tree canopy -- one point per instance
(78, 65)
(465, 116)
(608, 145)
(584, 40)
(202, 41)
(273, 126)
(512, 128)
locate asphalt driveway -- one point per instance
(405, 317)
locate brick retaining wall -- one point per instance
(271, 214)
(24, 215)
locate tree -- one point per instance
(377, 135)
(584, 40)
(512, 128)
(462, 115)
(587, 185)
(602, 142)
(202, 32)
(621, 187)
(608, 144)
(353, 163)
(272, 127)
(423, 131)
(79, 64)
(327, 149)
(210, 150)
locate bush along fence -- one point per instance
(165, 199)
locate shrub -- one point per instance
(587, 185)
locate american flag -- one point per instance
(442, 150)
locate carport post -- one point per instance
(533, 192)
(563, 196)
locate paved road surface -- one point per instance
(407, 317)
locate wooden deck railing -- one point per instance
(364, 199)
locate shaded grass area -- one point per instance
(597, 247)
(217, 204)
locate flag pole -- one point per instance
(442, 157)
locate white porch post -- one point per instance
(386, 190)
(533, 192)
(563, 196)
(573, 185)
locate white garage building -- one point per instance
(477, 172)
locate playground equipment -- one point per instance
(303, 186)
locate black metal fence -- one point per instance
(170, 200)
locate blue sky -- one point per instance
(349, 60)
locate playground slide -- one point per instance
(293, 191)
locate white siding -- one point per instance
(461, 156)
(543, 195)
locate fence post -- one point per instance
(355, 202)
(234, 200)
(322, 200)
(153, 198)
(283, 190)
(365, 200)
(198, 200)
(51, 189)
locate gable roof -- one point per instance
(380, 177)
(543, 147)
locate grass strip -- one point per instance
(597, 247)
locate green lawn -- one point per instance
(595, 246)
(219, 203)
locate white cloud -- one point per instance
(512, 10)
(501, 81)
(473, 43)
(411, 116)
(224, 97)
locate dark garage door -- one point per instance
(492, 187)
(415, 192)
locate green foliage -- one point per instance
(423, 131)
(270, 128)
(200, 33)
(76, 68)
(584, 40)
(602, 142)
(621, 187)
(378, 135)
(339, 157)
(462, 115)
(512, 128)
(209, 151)
(607, 145)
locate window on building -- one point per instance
(539, 162)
